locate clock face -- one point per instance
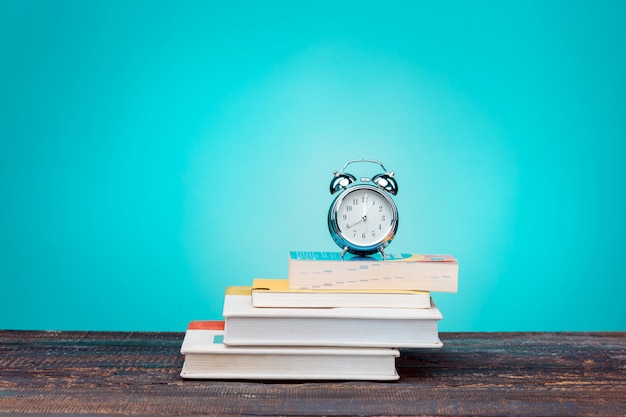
(364, 218)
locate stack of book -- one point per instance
(332, 318)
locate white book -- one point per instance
(331, 271)
(206, 357)
(276, 293)
(357, 327)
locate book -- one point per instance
(276, 293)
(329, 271)
(341, 326)
(206, 357)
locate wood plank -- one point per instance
(107, 373)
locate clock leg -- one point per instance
(382, 252)
(344, 252)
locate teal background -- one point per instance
(153, 153)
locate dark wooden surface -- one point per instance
(491, 374)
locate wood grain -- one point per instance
(490, 374)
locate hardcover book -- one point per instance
(342, 326)
(329, 271)
(206, 357)
(276, 293)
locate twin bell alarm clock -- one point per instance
(363, 217)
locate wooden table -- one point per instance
(491, 374)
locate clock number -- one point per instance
(373, 233)
(363, 235)
(348, 208)
(344, 217)
(355, 201)
(380, 209)
(382, 218)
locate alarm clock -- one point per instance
(363, 218)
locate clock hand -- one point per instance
(355, 223)
(368, 210)
(365, 207)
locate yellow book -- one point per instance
(276, 293)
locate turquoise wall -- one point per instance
(153, 153)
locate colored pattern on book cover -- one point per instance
(239, 290)
(206, 325)
(336, 256)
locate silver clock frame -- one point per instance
(343, 241)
